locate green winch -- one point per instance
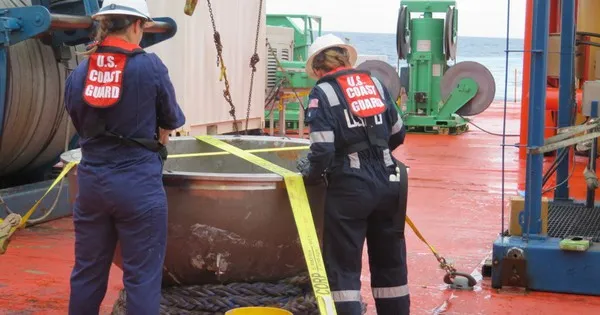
(438, 96)
(295, 75)
(293, 83)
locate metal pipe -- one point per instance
(525, 78)
(536, 119)
(590, 34)
(75, 22)
(591, 189)
(588, 43)
(566, 94)
(69, 22)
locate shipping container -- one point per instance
(191, 58)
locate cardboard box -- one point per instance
(517, 204)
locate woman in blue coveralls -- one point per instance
(122, 103)
(354, 128)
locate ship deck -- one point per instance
(454, 198)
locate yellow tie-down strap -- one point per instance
(189, 155)
(7, 229)
(304, 222)
(14, 222)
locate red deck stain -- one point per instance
(454, 198)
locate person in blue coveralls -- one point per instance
(123, 106)
(354, 127)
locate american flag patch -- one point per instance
(314, 103)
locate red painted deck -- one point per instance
(455, 199)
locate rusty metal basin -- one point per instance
(229, 220)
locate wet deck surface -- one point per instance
(455, 199)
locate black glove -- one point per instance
(303, 166)
(163, 152)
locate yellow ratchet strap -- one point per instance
(304, 222)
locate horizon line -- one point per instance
(494, 37)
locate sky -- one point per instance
(476, 18)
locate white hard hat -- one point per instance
(324, 42)
(124, 7)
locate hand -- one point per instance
(163, 136)
(303, 166)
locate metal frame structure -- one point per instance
(566, 95)
(423, 112)
(291, 74)
(535, 260)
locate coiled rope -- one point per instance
(292, 294)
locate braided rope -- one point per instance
(292, 294)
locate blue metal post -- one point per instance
(3, 83)
(533, 197)
(91, 7)
(566, 95)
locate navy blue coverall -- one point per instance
(361, 202)
(121, 195)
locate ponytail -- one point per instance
(110, 25)
(331, 58)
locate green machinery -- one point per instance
(293, 80)
(439, 96)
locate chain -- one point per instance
(219, 46)
(253, 61)
(445, 265)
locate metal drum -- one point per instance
(229, 220)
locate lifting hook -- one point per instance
(190, 6)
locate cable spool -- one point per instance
(485, 81)
(450, 33)
(385, 73)
(35, 120)
(403, 33)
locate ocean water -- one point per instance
(490, 52)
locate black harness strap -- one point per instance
(150, 144)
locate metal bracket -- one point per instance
(19, 24)
(514, 268)
(567, 138)
(465, 91)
